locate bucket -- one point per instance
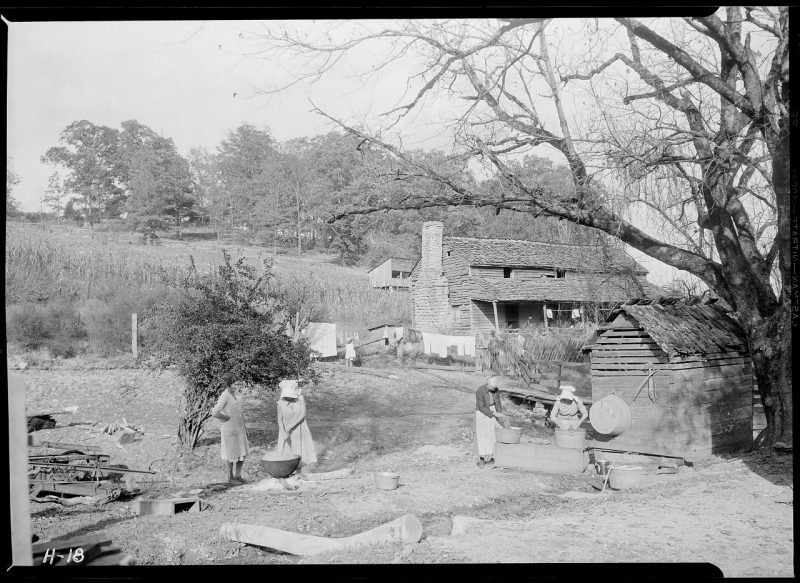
(510, 435)
(610, 416)
(602, 467)
(627, 477)
(387, 480)
(570, 439)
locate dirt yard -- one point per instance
(734, 512)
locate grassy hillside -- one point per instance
(100, 281)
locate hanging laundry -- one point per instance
(438, 345)
(576, 314)
(469, 346)
(426, 342)
(398, 333)
(386, 333)
(550, 314)
(321, 338)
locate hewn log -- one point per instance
(463, 523)
(406, 529)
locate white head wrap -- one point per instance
(567, 392)
(288, 388)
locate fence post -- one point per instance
(134, 335)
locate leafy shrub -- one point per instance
(226, 328)
(56, 326)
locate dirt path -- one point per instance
(733, 512)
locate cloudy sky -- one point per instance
(179, 78)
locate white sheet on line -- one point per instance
(322, 338)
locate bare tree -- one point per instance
(687, 119)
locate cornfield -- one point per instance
(94, 269)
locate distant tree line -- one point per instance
(277, 194)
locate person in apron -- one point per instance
(234, 446)
(294, 436)
(566, 409)
(488, 411)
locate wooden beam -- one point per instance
(406, 529)
(496, 319)
(18, 473)
(544, 311)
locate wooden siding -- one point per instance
(691, 406)
(526, 274)
(477, 271)
(381, 276)
(482, 317)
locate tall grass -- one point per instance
(91, 267)
(105, 282)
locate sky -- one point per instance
(188, 80)
(179, 78)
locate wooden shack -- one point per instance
(684, 373)
(393, 274)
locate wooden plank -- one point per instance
(711, 356)
(606, 361)
(615, 340)
(692, 386)
(18, 472)
(609, 371)
(718, 363)
(601, 355)
(620, 333)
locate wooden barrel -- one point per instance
(573, 439)
(610, 416)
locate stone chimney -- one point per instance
(431, 260)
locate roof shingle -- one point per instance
(519, 253)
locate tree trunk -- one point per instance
(771, 349)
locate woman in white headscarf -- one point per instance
(566, 409)
(294, 436)
(234, 446)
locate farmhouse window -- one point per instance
(506, 272)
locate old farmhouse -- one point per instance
(469, 285)
(393, 274)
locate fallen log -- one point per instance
(463, 523)
(406, 529)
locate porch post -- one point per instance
(496, 319)
(544, 311)
(597, 315)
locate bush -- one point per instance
(229, 327)
(55, 326)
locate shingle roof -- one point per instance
(518, 253)
(403, 263)
(679, 328)
(398, 264)
(551, 289)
